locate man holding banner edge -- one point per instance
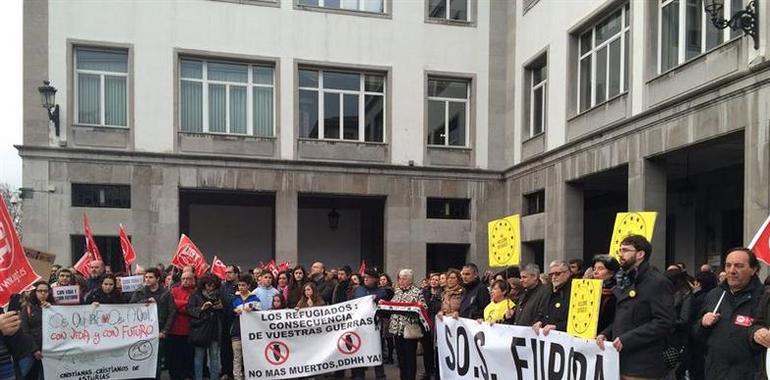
(644, 314)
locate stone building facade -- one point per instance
(565, 112)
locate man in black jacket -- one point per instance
(644, 315)
(728, 325)
(476, 296)
(153, 292)
(532, 298)
(553, 312)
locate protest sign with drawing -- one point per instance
(100, 342)
(471, 350)
(292, 343)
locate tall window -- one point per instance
(376, 6)
(603, 62)
(454, 10)
(448, 113)
(537, 75)
(101, 90)
(224, 97)
(685, 30)
(337, 105)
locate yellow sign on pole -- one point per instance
(504, 241)
(631, 223)
(583, 317)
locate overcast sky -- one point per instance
(10, 91)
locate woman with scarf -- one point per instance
(403, 326)
(453, 294)
(282, 284)
(604, 268)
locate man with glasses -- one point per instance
(644, 313)
(553, 314)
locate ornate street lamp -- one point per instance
(745, 19)
(48, 100)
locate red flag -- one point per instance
(129, 255)
(218, 268)
(84, 264)
(16, 274)
(761, 242)
(284, 266)
(362, 267)
(90, 242)
(188, 254)
(272, 268)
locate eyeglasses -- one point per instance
(627, 250)
(556, 273)
(41, 290)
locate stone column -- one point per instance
(286, 226)
(564, 218)
(647, 192)
(756, 169)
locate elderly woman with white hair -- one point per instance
(406, 328)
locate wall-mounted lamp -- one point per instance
(745, 19)
(334, 219)
(48, 100)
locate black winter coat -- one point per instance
(205, 325)
(32, 323)
(97, 295)
(475, 299)
(530, 303)
(166, 307)
(731, 353)
(555, 308)
(644, 318)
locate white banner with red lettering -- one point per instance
(289, 343)
(100, 342)
(468, 349)
(16, 273)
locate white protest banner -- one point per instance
(131, 283)
(288, 343)
(100, 342)
(471, 350)
(66, 295)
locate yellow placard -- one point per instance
(583, 317)
(504, 241)
(631, 223)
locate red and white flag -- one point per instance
(16, 274)
(90, 242)
(272, 268)
(84, 264)
(188, 254)
(362, 267)
(760, 244)
(218, 268)
(129, 255)
(284, 266)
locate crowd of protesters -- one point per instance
(665, 324)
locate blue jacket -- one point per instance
(235, 328)
(265, 296)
